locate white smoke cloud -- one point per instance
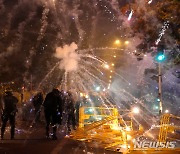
(68, 56)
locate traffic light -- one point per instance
(158, 100)
(160, 54)
(161, 57)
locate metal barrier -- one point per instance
(88, 115)
(99, 124)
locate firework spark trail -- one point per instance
(10, 51)
(95, 77)
(94, 22)
(104, 103)
(60, 85)
(23, 24)
(162, 32)
(87, 86)
(75, 13)
(66, 53)
(19, 34)
(150, 1)
(130, 15)
(66, 14)
(145, 64)
(89, 77)
(79, 82)
(97, 60)
(119, 16)
(136, 120)
(21, 28)
(9, 18)
(114, 4)
(146, 131)
(82, 85)
(123, 92)
(131, 96)
(91, 82)
(94, 58)
(65, 80)
(80, 30)
(127, 73)
(59, 80)
(147, 116)
(134, 76)
(11, 48)
(113, 100)
(122, 78)
(28, 63)
(44, 23)
(105, 98)
(60, 16)
(90, 64)
(49, 73)
(100, 48)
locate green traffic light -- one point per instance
(158, 99)
(160, 57)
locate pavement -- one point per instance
(31, 140)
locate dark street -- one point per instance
(33, 141)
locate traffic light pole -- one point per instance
(160, 89)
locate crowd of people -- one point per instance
(57, 105)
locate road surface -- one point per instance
(31, 140)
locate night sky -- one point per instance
(30, 32)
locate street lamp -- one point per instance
(126, 42)
(166, 111)
(135, 110)
(117, 42)
(106, 66)
(98, 88)
(86, 96)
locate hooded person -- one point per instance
(9, 110)
(52, 110)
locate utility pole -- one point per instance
(160, 89)
(160, 58)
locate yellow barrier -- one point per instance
(88, 115)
